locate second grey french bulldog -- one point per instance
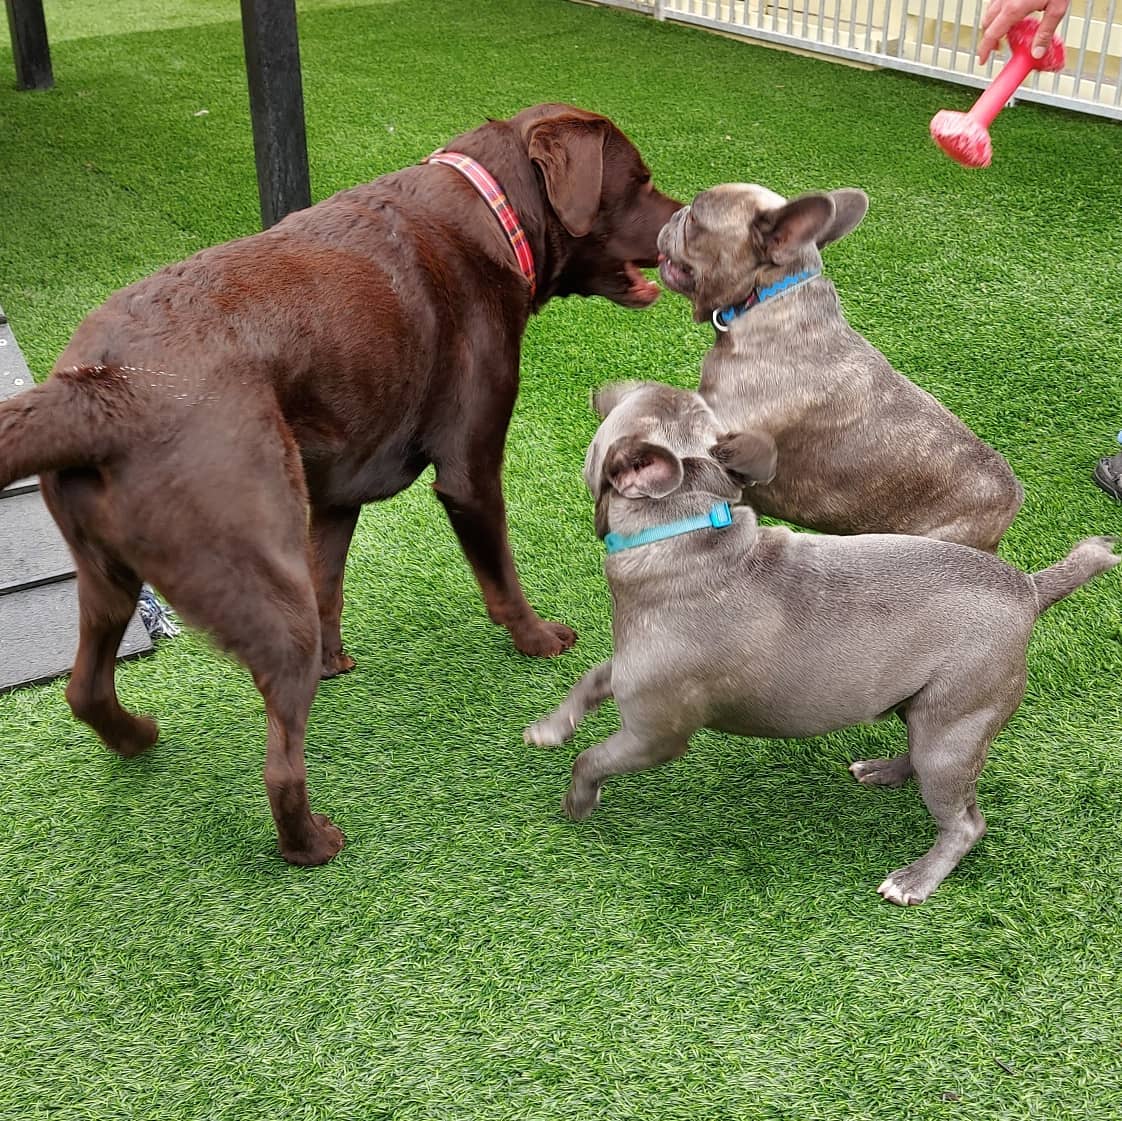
(861, 448)
(720, 623)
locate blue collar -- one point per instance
(723, 316)
(719, 517)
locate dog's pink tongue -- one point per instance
(640, 288)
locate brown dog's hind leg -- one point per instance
(331, 531)
(105, 607)
(287, 678)
(251, 587)
(271, 625)
(979, 532)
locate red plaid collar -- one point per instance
(482, 180)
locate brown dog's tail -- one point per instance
(65, 422)
(1090, 557)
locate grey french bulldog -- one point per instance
(861, 448)
(761, 631)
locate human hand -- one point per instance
(1000, 15)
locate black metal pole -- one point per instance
(30, 50)
(276, 104)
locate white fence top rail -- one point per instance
(937, 38)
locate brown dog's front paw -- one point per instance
(326, 843)
(545, 640)
(335, 664)
(135, 736)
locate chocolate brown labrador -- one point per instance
(215, 428)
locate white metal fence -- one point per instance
(934, 37)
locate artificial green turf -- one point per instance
(710, 944)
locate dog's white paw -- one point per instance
(899, 894)
(882, 772)
(533, 736)
(549, 732)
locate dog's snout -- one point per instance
(675, 217)
(669, 231)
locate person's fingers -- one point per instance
(1000, 15)
(1049, 21)
(995, 22)
(992, 8)
(988, 44)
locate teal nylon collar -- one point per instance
(723, 316)
(718, 517)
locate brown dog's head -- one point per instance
(606, 209)
(656, 441)
(738, 237)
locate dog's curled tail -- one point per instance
(67, 421)
(1090, 557)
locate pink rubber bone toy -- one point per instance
(965, 136)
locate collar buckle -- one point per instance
(720, 515)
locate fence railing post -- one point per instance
(917, 36)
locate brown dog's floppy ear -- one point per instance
(747, 457)
(784, 232)
(608, 396)
(850, 206)
(570, 153)
(637, 469)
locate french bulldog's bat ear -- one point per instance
(785, 231)
(637, 469)
(747, 457)
(608, 396)
(850, 206)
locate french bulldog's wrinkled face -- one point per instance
(656, 441)
(740, 236)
